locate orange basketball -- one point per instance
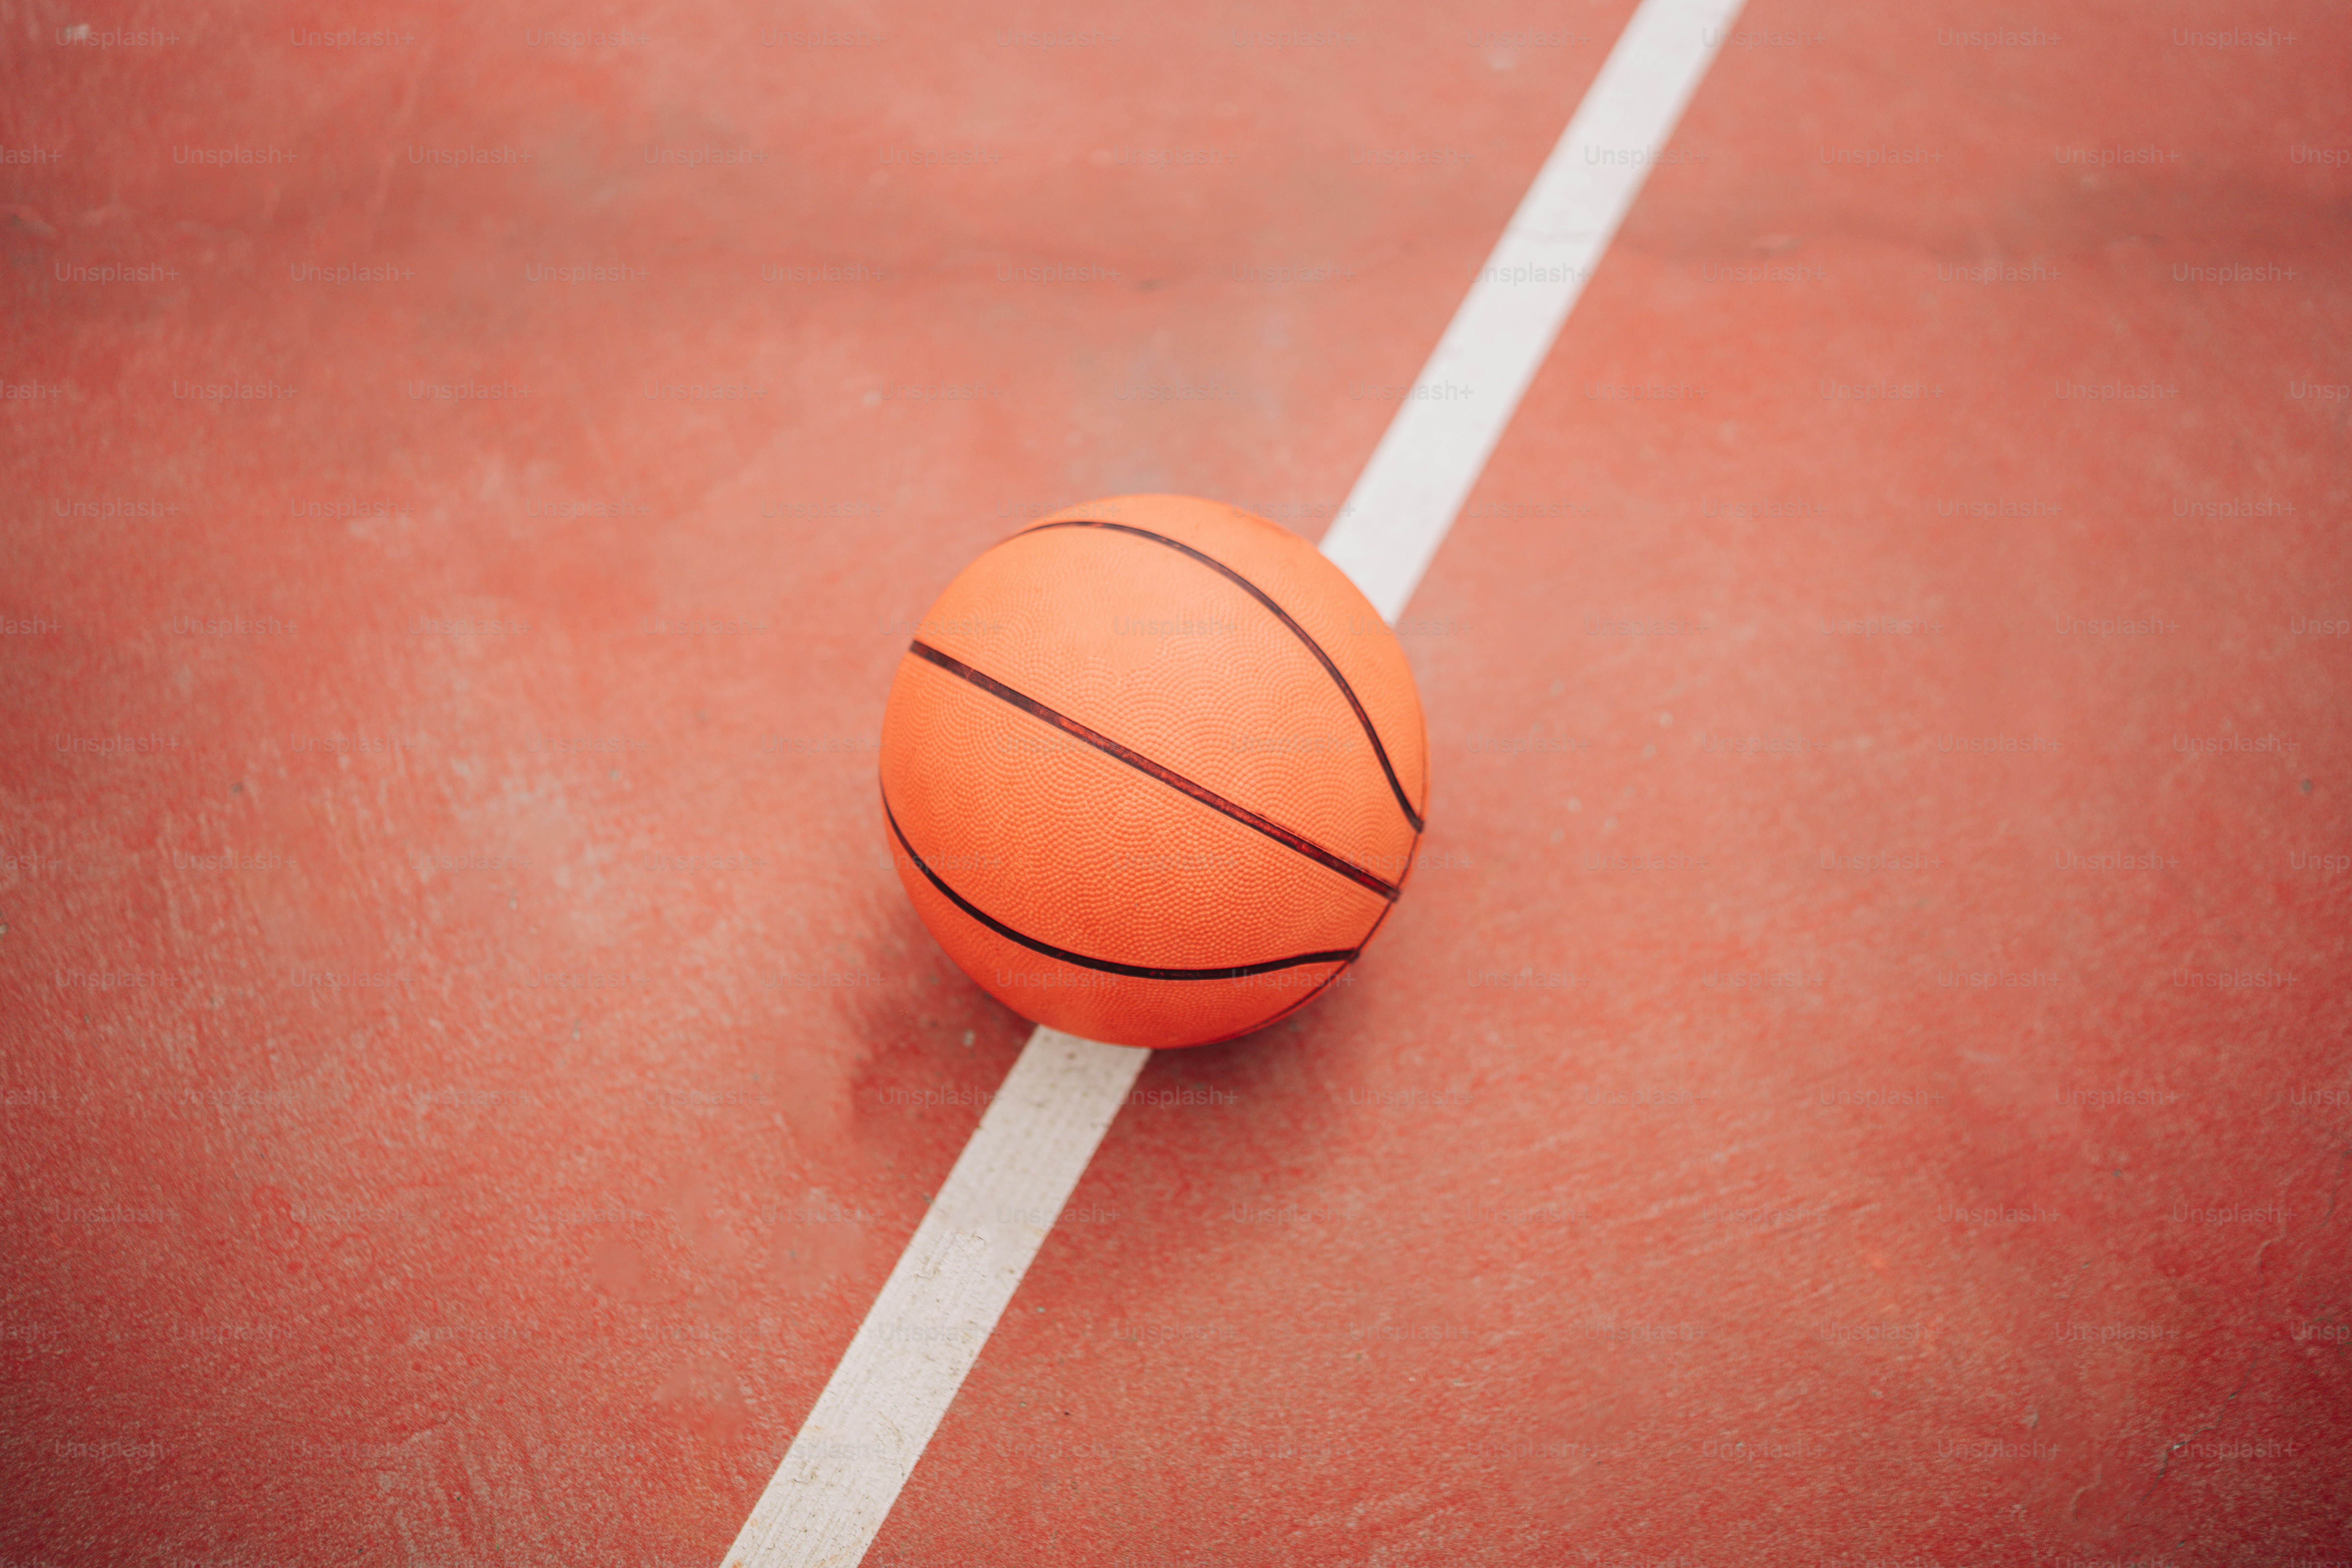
(1153, 770)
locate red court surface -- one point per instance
(1859, 1075)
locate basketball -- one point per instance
(1153, 772)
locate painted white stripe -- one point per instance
(846, 1469)
(940, 1305)
(1422, 472)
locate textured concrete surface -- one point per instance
(469, 1063)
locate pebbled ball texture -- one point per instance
(1153, 770)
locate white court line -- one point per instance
(938, 1308)
(894, 1384)
(1437, 447)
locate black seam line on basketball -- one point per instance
(1279, 1013)
(1271, 1019)
(1281, 614)
(1138, 971)
(1165, 775)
